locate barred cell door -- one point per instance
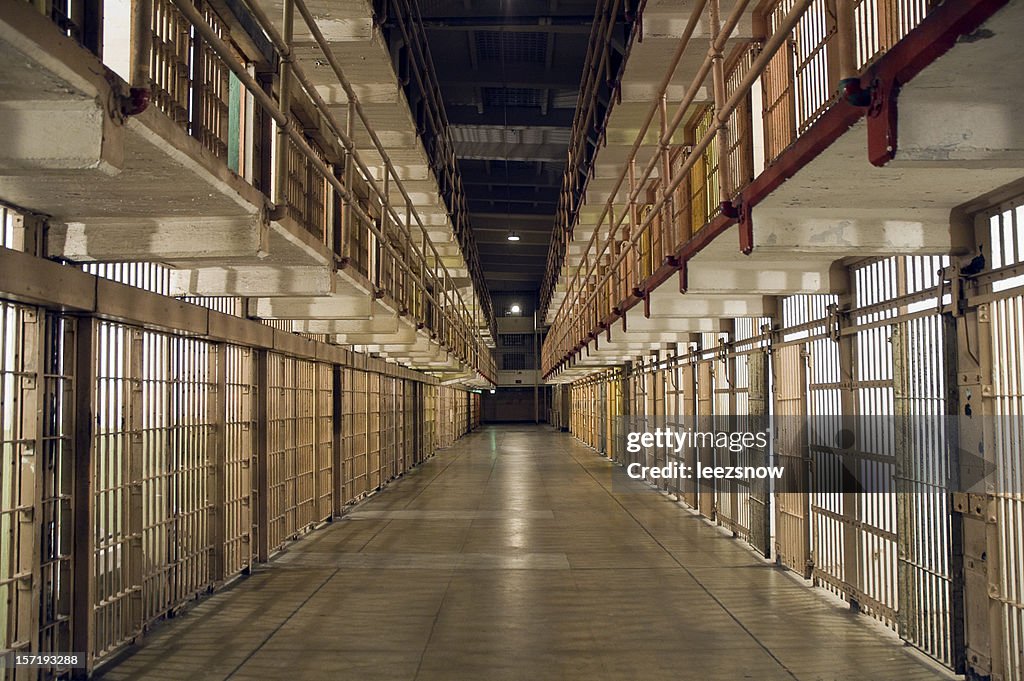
(615, 434)
(923, 374)
(705, 421)
(687, 412)
(760, 536)
(602, 417)
(793, 541)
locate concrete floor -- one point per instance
(509, 556)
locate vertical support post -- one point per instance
(536, 370)
(29, 234)
(720, 123)
(668, 207)
(263, 173)
(337, 451)
(217, 445)
(30, 398)
(135, 473)
(336, 244)
(848, 406)
(846, 39)
(83, 585)
(197, 82)
(141, 42)
(974, 505)
(262, 486)
(284, 100)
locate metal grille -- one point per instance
(189, 81)
(512, 96)
(117, 569)
(811, 63)
(148, 276)
(429, 424)
(523, 47)
(922, 376)
(373, 431)
(872, 538)
(239, 450)
(231, 305)
(1006, 316)
(324, 423)
(291, 456)
(779, 110)
(171, 61)
(57, 464)
(177, 421)
(306, 192)
(18, 477)
(355, 434)
(704, 189)
(515, 361)
(881, 23)
(210, 108)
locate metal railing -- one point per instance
(303, 158)
(413, 63)
(656, 207)
(600, 87)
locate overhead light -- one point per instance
(513, 236)
(515, 309)
(493, 391)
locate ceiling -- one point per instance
(509, 73)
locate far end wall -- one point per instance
(507, 405)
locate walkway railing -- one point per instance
(245, 97)
(811, 48)
(413, 62)
(615, 22)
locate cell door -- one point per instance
(793, 539)
(602, 417)
(760, 536)
(923, 369)
(687, 412)
(705, 421)
(613, 416)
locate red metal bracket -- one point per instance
(647, 306)
(684, 279)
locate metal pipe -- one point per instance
(285, 102)
(141, 54)
(846, 49)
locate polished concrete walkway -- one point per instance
(510, 556)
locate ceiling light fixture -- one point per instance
(515, 309)
(513, 236)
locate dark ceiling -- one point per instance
(509, 73)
